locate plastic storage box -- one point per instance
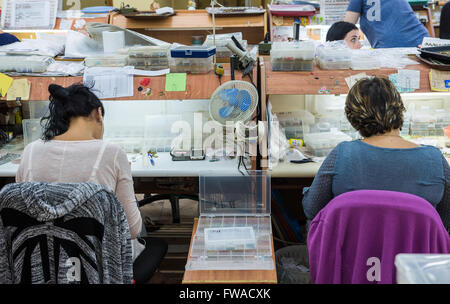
(35, 108)
(149, 51)
(32, 130)
(292, 56)
(149, 63)
(321, 144)
(423, 268)
(364, 60)
(293, 122)
(149, 57)
(191, 59)
(106, 61)
(333, 58)
(423, 123)
(234, 226)
(25, 64)
(158, 135)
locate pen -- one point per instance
(150, 156)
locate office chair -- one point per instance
(356, 237)
(174, 202)
(69, 233)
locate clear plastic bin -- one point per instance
(158, 135)
(149, 63)
(149, 51)
(32, 130)
(238, 205)
(191, 65)
(293, 122)
(35, 108)
(292, 56)
(106, 61)
(25, 64)
(363, 62)
(320, 144)
(333, 59)
(423, 123)
(423, 268)
(286, 64)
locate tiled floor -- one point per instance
(158, 216)
(161, 211)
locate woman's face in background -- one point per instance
(352, 39)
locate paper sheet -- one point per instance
(5, 84)
(440, 80)
(133, 71)
(20, 88)
(109, 82)
(28, 14)
(175, 82)
(66, 24)
(394, 79)
(409, 79)
(354, 78)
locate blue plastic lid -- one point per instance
(193, 51)
(97, 9)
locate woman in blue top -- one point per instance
(387, 24)
(382, 160)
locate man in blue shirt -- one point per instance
(388, 23)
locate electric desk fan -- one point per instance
(234, 102)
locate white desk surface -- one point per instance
(164, 166)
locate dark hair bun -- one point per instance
(58, 92)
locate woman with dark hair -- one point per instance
(382, 160)
(345, 31)
(72, 150)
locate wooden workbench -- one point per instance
(198, 86)
(185, 24)
(300, 83)
(229, 276)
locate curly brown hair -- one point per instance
(374, 106)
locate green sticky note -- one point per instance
(175, 82)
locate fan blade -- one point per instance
(226, 111)
(244, 100)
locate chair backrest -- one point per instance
(356, 237)
(63, 233)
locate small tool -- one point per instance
(302, 161)
(219, 70)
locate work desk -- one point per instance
(229, 276)
(165, 177)
(310, 82)
(198, 86)
(164, 167)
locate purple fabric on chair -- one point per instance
(359, 225)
